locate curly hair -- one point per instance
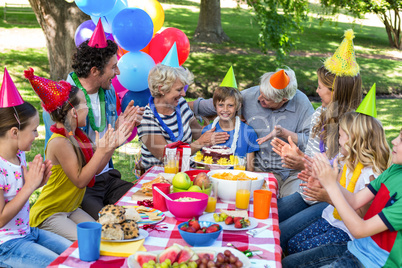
(346, 97)
(11, 115)
(367, 143)
(162, 77)
(87, 57)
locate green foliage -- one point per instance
(278, 20)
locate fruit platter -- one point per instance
(231, 222)
(184, 256)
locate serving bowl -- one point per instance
(227, 188)
(186, 210)
(200, 239)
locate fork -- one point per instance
(254, 232)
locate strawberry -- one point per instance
(237, 219)
(229, 220)
(212, 229)
(200, 231)
(242, 223)
(195, 224)
(184, 227)
(204, 229)
(191, 229)
(238, 224)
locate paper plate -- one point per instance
(210, 217)
(143, 234)
(144, 217)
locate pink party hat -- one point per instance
(53, 94)
(9, 95)
(98, 38)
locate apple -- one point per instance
(181, 181)
(202, 180)
(194, 188)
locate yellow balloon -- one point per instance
(154, 10)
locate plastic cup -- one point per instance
(158, 199)
(89, 238)
(262, 203)
(213, 198)
(241, 163)
(243, 192)
(171, 163)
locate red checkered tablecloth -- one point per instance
(266, 241)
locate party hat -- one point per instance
(343, 62)
(229, 80)
(53, 94)
(368, 106)
(279, 80)
(98, 38)
(171, 59)
(9, 95)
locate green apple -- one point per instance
(181, 181)
(194, 188)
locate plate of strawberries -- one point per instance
(230, 223)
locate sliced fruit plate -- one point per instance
(229, 227)
(188, 257)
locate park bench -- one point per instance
(13, 8)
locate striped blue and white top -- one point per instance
(150, 126)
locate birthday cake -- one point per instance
(217, 152)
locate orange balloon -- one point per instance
(154, 10)
(121, 51)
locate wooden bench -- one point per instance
(12, 8)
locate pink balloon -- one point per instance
(117, 86)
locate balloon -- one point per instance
(96, 7)
(120, 52)
(107, 20)
(132, 29)
(154, 10)
(84, 32)
(161, 44)
(140, 98)
(134, 68)
(133, 134)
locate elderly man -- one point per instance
(278, 109)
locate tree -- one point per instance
(58, 20)
(209, 28)
(389, 11)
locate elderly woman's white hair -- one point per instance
(161, 78)
(277, 95)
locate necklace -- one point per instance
(90, 112)
(352, 183)
(164, 126)
(235, 135)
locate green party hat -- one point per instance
(368, 106)
(229, 80)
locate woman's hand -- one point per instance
(317, 193)
(323, 170)
(211, 137)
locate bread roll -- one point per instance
(112, 231)
(112, 214)
(130, 229)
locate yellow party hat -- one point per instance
(343, 62)
(368, 106)
(229, 80)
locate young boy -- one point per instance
(243, 139)
(378, 234)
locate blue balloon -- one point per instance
(132, 29)
(140, 98)
(95, 7)
(107, 20)
(134, 69)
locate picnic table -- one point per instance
(267, 241)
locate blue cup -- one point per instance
(89, 238)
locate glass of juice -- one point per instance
(171, 163)
(243, 191)
(240, 164)
(213, 198)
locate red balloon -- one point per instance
(162, 42)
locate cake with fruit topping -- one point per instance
(217, 152)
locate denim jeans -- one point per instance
(295, 215)
(316, 257)
(37, 249)
(348, 260)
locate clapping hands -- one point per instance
(38, 173)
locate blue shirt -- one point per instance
(246, 143)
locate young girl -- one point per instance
(20, 244)
(365, 154)
(242, 141)
(74, 162)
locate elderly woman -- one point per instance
(168, 118)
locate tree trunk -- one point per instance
(58, 20)
(209, 28)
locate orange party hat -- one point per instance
(279, 80)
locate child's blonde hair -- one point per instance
(222, 93)
(367, 143)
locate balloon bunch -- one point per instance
(141, 42)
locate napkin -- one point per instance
(121, 249)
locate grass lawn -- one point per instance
(209, 62)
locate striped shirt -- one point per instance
(150, 126)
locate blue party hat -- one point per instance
(171, 59)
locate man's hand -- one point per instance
(132, 115)
(277, 132)
(292, 157)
